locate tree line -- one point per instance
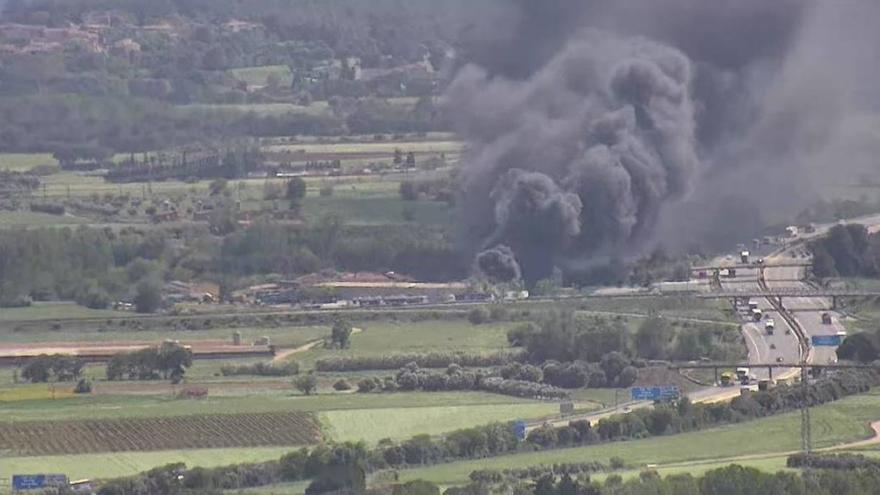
(168, 360)
(411, 378)
(847, 251)
(97, 266)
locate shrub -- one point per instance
(341, 385)
(478, 316)
(261, 369)
(83, 386)
(424, 360)
(48, 208)
(366, 385)
(306, 384)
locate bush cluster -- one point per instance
(493, 476)
(411, 377)
(424, 360)
(845, 462)
(261, 369)
(60, 367)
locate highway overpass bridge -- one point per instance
(779, 293)
(752, 266)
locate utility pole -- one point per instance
(806, 433)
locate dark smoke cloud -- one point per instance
(580, 156)
(675, 121)
(499, 264)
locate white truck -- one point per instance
(769, 326)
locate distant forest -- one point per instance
(111, 76)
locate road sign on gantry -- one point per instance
(519, 429)
(656, 393)
(22, 482)
(826, 340)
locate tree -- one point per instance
(37, 371)
(341, 333)
(652, 337)
(478, 316)
(410, 160)
(148, 296)
(306, 384)
(862, 346)
(627, 377)
(173, 359)
(296, 191)
(409, 190)
(416, 487)
(613, 364)
(218, 186)
(83, 386)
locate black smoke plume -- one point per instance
(597, 129)
(579, 157)
(499, 264)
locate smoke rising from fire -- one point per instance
(597, 129)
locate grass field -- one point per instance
(364, 200)
(258, 76)
(451, 146)
(263, 109)
(373, 425)
(843, 421)
(53, 311)
(10, 219)
(35, 392)
(378, 211)
(280, 336)
(116, 464)
(20, 162)
(109, 406)
(382, 338)
(344, 417)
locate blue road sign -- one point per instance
(519, 429)
(655, 393)
(21, 482)
(826, 340)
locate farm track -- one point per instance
(37, 438)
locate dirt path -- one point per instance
(873, 440)
(281, 356)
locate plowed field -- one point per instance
(171, 433)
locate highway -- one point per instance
(807, 311)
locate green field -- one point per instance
(258, 76)
(20, 162)
(450, 146)
(263, 109)
(281, 336)
(116, 464)
(24, 218)
(362, 201)
(140, 406)
(382, 338)
(379, 211)
(401, 423)
(52, 311)
(369, 417)
(843, 421)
